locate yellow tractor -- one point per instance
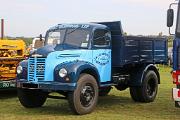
(11, 53)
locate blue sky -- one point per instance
(31, 17)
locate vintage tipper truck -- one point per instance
(84, 61)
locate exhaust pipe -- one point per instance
(2, 28)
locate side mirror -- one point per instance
(170, 17)
(108, 36)
(41, 39)
(40, 36)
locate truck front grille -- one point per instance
(36, 69)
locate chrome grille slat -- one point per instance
(36, 69)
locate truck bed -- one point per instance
(138, 50)
(134, 49)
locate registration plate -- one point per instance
(7, 84)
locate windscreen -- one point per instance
(75, 37)
(78, 37)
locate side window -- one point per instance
(101, 38)
(55, 37)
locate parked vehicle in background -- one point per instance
(176, 52)
(83, 62)
(37, 42)
(11, 53)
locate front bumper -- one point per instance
(53, 86)
(176, 94)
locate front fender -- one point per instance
(24, 63)
(23, 75)
(74, 70)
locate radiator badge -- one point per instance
(102, 59)
(36, 55)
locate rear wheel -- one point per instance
(148, 91)
(31, 98)
(134, 92)
(84, 98)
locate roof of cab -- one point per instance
(77, 25)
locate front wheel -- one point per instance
(84, 98)
(31, 98)
(148, 91)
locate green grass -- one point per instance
(117, 105)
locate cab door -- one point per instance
(101, 46)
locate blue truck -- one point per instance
(84, 61)
(176, 51)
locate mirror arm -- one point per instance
(170, 6)
(170, 31)
(40, 36)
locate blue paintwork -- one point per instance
(54, 59)
(23, 75)
(75, 68)
(44, 51)
(128, 50)
(46, 86)
(176, 44)
(140, 50)
(36, 69)
(99, 59)
(89, 26)
(124, 53)
(138, 74)
(102, 60)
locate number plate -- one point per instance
(7, 84)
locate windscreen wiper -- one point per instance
(72, 31)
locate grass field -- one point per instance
(117, 105)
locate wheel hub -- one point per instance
(87, 95)
(151, 88)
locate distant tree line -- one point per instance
(27, 40)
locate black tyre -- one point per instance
(148, 91)
(31, 98)
(134, 92)
(84, 98)
(104, 91)
(177, 104)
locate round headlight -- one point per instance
(19, 69)
(62, 72)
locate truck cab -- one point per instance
(84, 61)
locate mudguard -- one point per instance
(23, 75)
(137, 75)
(74, 69)
(24, 63)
